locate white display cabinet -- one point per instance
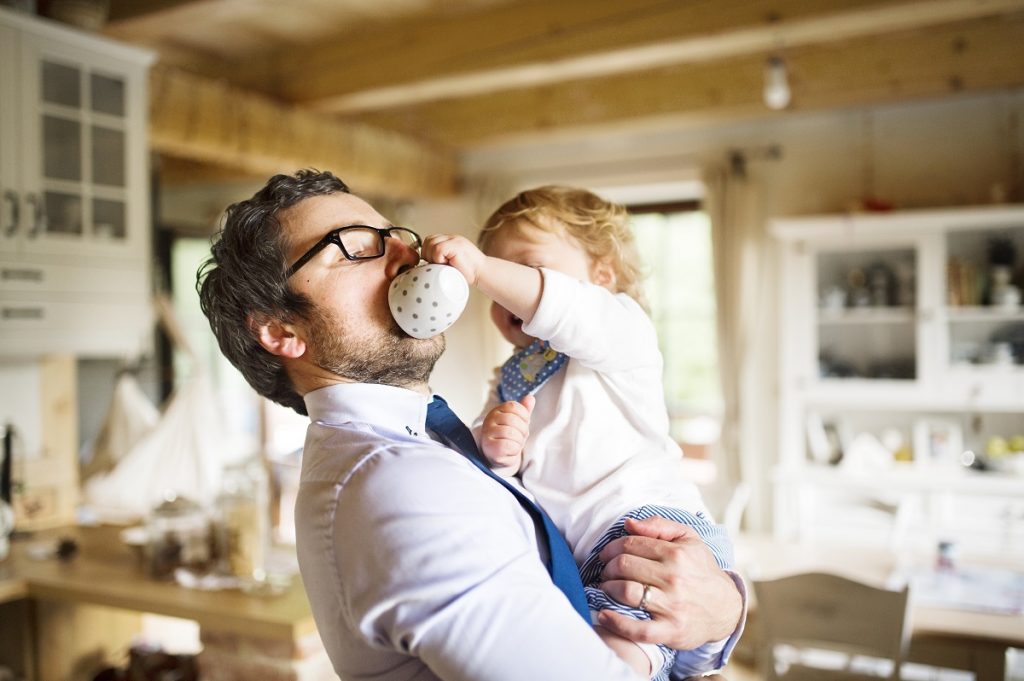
(74, 185)
(902, 355)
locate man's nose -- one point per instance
(400, 256)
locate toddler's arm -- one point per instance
(515, 287)
(503, 434)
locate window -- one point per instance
(282, 429)
(675, 246)
(237, 400)
(269, 428)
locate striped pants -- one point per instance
(714, 537)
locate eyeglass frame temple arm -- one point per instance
(329, 238)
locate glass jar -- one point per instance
(242, 521)
(6, 527)
(178, 536)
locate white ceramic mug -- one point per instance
(428, 299)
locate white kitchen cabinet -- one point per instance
(74, 182)
(890, 336)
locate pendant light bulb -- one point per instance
(776, 84)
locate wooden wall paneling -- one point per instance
(50, 490)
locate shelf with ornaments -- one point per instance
(866, 317)
(901, 382)
(984, 312)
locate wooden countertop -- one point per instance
(106, 572)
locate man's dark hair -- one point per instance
(243, 282)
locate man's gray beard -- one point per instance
(389, 358)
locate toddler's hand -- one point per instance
(457, 251)
(504, 433)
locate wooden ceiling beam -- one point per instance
(210, 121)
(978, 56)
(175, 171)
(131, 10)
(539, 43)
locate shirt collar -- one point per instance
(397, 409)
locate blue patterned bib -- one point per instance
(526, 371)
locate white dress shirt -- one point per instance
(419, 566)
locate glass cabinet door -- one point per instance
(108, 156)
(866, 320)
(79, 122)
(60, 141)
(984, 301)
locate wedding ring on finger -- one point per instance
(644, 597)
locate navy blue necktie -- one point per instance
(561, 565)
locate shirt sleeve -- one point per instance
(604, 331)
(451, 575)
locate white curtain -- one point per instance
(183, 455)
(745, 298)
(131, 417)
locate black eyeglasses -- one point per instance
(359, 242)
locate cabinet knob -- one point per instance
(14, 214)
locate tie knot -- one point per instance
(444, 422)
(438, 410)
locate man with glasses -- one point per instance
(417, 563)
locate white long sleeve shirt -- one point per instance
(419, 566)
(599, 442)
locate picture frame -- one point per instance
(937, 442)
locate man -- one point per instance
(417, 564)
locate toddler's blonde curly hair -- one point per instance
(601, 227)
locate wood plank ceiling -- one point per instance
(389, 91)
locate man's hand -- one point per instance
(457, 251)
(504, 432)
(690, 599)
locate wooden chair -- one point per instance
(862, 626)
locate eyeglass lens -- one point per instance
(407, 237)
(368, 242)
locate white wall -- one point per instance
(952, 151)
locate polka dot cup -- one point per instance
(428, 299)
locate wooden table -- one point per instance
(959, 639)
(54, 597)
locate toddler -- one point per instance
(578, 413)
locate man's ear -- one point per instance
(278, 338)
(603, 274)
